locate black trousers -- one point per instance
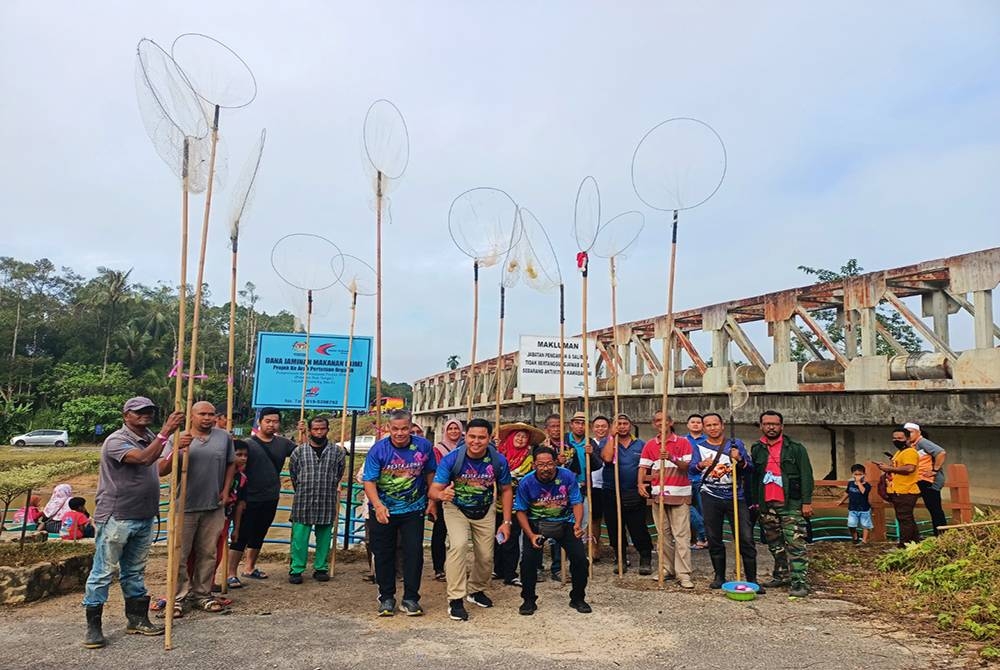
(438, 535)
(634, 520)
(716, 511)
(403, 534)
(932, 501)
(505, 555)
(576, 552)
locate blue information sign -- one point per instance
(281, 361)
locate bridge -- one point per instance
(844, 395)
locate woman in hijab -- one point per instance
(56, 508)
(452, 438)
(517, 442)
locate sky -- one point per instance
(852, 130)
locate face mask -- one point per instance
(899, 443)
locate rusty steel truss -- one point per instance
(945, 286)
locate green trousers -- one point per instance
(300, 547)
(785, 532)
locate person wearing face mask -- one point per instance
(903, 487)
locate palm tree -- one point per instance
(453, 362)
(111, 289)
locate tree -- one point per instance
(453, 362)
(108, 291)
(900, 330)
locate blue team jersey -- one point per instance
(400, 474)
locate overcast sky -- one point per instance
(865, 130)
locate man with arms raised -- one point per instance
(266, 455)
(211, 464)
(127, 502)
(464, 482)
(398, 471)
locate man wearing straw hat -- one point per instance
(783, 487)
(316, 469)
(127, 503)
(672, 484)
(211, 466)
(464, 482)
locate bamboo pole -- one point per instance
(178, 390)
(378, 305)
(667, 373)
(475, 330)
(343, 429)
(499, 394)
(617, 410)
(224, 585)
(305, 368)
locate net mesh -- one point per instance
(244, 190)
(738, 393)
(539, 262)
(618, 234)
(587, 214)
(217, 73)
(386, 141)
(357, 275)
(483, 224)
(307, 262)
(678, 164)
(171, 113)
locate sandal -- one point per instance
(234, 583)
(178, 611)
(256, 574)
(213, 606)
(224, 601)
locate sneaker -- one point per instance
(776, 582)
(294, 577)
(557, 576)
(581, 606)
(761, 590)
(715, 583)
(456, 610)
(440, 577)
(479, 598)
(527, 608)
(411, 608)
(645, 565)
(513, 582)
(687, 584)
(387, 607)
(321, 576)
(798, 591)
(542, 576)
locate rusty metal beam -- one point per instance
(691, 351)
(967, 306)
(806, 342)
(917, 323)
(744, 343)
(888, 337)
(821, 334)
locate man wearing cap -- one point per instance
(931, 471)
(127, 502)
(211, 463)
(627, 451)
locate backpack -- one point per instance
(462, 449)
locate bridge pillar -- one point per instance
(716, 379)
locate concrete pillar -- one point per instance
(982, 302)
(939, 312)
(868, 342)
(846, 320)
(720, 348)
(782, 340)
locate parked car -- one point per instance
(42, 437)
(362, 444)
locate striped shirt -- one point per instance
(676, 489)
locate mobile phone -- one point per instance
(888, 455)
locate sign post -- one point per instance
(538, 367)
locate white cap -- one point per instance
(911, 426)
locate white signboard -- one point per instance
(538, 371)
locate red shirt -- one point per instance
(676, 488)
(774, 488)
(72, 525)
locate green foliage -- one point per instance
(70, 381)
(14, 418)
(893, 322)
(990, 652)
(80, 415)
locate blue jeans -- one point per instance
(124, 544)
(697, 520)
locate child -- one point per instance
(859, 510)
(235, 504)
(28, 516)
(76, 523)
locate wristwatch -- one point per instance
(506, 523)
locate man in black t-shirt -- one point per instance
(266, 455)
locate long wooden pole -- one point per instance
(667, 378)
(305, 367)
(229, 392)
(178, 395)
(475, 331)
(618, 499)
(499, 394)
(378, 305)
(586, 412)
(343, 431)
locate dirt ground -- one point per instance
(274, 624)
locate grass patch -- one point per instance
(11, 554)
(17, 457)
(946, 584)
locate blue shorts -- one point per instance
(863, 519)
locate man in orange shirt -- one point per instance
(903, 487)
